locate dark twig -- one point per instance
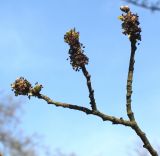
(144, 139)
(104, 117)
(91, 91)
(130, 26)
(129, 82)
(78, 60)
(64, 105)
(130, 113)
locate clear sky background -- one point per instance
(32, 46)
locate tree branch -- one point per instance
(89, 85)
(130, 26)
(64, 105)
(129, 82)
(144, 139)
(78, 60)
(104, 117)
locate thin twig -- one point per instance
(104, 117)
(89, 85)
(64, 105)
(144, 139)
(130, 113)
(129, 82)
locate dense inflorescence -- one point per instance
(130, 24)
(76, 53)
(21, 86)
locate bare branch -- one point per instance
(89, 85)
(129, 82)
(145, 140)
(104, 117)
(130, 26)
(64, 105)
(78, 60)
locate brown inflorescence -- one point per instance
(21, 86)
(130, 24)
(76, 53)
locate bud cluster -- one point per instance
(71, 37)
(130, 24)
(21, 86)
(76, 52)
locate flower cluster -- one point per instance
(76, 53)
(23, 87)
(130, 24)
(71, 37)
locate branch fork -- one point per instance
(78, 60)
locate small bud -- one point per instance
(36, 89)
(121, 18)
(71, 37)
(125, 9)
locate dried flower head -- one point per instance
(130, 24)
(21, 86)
(76, 52)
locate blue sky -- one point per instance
(32, 46)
